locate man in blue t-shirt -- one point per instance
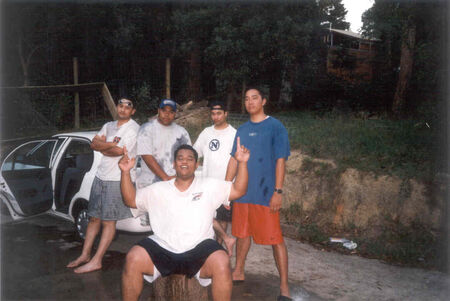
(257, 213)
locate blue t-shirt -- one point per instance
(267, 141)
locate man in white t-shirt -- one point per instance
(105, 202)
(214, 144)
(181, 213)
(157, 140)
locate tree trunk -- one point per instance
(194, 84)
(406, 65)
(231, 96)
(275, 85)
(244, 87)
(178, 288)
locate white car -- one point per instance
(55, 176)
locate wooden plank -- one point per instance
(76, 88)
(62, 88)
(109, 101)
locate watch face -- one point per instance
(278, 190)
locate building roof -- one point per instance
(352, 34)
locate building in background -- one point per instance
(350, 55)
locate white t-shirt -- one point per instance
(161, 142)
(181, 220)
(108, 169)
(215, 148)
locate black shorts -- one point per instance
(223, 214)
(187, 263)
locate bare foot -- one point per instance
(88, 267)
(236, 276)
(229, 244)
(78, 261)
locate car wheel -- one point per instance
(81, 223)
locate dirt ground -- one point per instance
(314, 274)
(334, 276)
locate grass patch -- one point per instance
(312, 233)
(414, 246)
(403, 148)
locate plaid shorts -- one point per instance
(105, 201)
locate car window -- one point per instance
(79, 154)
(32, 155)
(57, 147)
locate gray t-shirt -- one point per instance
(160, 141)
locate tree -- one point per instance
(333, 12)
(412, 36)
(193, 26)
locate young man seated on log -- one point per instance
(181, 214)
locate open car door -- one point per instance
(27, 173)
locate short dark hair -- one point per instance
(218, 103)
(260, 91)
(188, 147)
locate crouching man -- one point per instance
(181, 214)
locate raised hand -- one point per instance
(242, 154)
(125, 163)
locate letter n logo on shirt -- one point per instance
(214, 145)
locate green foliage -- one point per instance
(387, 21)
(413, 245)
(145, 99)
(312, 233)
(403, 148)
(333, 11)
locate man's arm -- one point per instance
(231, 169)
(109, 149)
(239, 187)
(155, 168)
(99, 143)
(276, 199)
(126, 186)
(114, 151)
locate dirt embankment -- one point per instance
(365, 207)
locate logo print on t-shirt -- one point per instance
(116, 139)
(197, 196)
(214, 145)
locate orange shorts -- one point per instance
(258, 222)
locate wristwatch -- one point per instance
(280, 191)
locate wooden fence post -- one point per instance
(77, 96)
(168, 78)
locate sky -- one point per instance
(355, 9)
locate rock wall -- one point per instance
(343, 199)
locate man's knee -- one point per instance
(221, 262)
(218, 263)
(94, 220)
(138, 260)
(108, 223)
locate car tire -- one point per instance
(81, 223)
